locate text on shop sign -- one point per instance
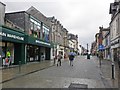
(11, 36)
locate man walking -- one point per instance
(59, 57)
(71, 58)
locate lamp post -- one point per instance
(64, 45)
(87, 48)
(88, 56)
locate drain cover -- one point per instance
(78, 86)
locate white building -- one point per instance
(73, 42)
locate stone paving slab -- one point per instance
(11, 73)
(106, 71)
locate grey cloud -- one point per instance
(82, 17)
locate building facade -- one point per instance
(59, 37)
(106, 43)
(2, 13)
(12, 41)
(38, 44)
(73, 43)
(115, 30)
(93, 48)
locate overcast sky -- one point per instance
(81, 17)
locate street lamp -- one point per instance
(88, 55)
(87, 49)
(64, 45)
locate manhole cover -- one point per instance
(78, 86)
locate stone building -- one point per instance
(2, 13)
(34, 24)
(115, 30)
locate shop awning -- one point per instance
(36, 41)
(11, 35)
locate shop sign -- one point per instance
(101, 47)
(114, 43)
(11, 36)
(40, 42)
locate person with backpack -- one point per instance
(71, 58)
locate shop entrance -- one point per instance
(47, 53)
(33, 53)
(16, 53)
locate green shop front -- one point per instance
(37, 50)
(13, 41)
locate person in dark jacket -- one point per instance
(59, 57)
(71, 58)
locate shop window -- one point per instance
(6, 46)
(38, 30)
(35, 27)
(10, 47)
(31, 28)
(45, 33)
(35, 34)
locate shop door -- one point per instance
(47, 53)
(36, 49)
(19, 53)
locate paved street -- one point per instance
(84, 71)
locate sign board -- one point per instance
(101, 47)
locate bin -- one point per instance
(88, 56)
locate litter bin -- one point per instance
(88, 56)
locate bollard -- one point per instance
(19, 66)
(113, 68)
(88, 56)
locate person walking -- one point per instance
(71, 58)
(55, 58)
(59, 57)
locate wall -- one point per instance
(18, 18)
(2, 13)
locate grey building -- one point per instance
(2, 13)
(59, 37)
(34, 24)
(115, 30)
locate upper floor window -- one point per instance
(118, 27)
(35, 28)
(45, 33)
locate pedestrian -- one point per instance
(59, 57)
(71, 58)
(55, 58)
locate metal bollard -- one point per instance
(113, 69)
(19, 66)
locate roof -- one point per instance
(2, 3)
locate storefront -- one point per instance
(12, 41)
(115, 46)
(37, 49)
